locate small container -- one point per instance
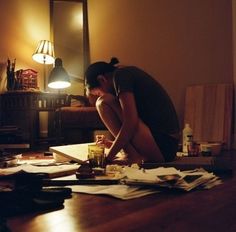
(96, 155)
(210, 148)
(84, 172)
(206, 151)
(187, 133)
(193, 149)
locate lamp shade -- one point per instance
(44, 52)
(58, 78)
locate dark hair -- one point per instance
(98, 68)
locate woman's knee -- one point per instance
(106, 99)
(108, 105)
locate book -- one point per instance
(75, 152)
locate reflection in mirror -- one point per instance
(69, 33)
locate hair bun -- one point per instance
(114, 61)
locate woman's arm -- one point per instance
(130, 121)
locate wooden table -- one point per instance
(200, 210)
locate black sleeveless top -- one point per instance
(154, 105)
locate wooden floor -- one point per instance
(199, 210)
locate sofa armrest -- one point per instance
(77, 100)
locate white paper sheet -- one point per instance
(123, 192)
(52, 171)
(120, 191)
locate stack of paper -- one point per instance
(136, 182)
(171, 178)
(120, 191)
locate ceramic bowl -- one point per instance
(213, 147)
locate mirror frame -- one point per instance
(85, 31)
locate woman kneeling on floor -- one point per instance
(136, 110)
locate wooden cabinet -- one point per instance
(21, 110)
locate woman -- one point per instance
(136, 110)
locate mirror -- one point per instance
(69, 34)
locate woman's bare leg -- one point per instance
(142, 146)
(110, 113)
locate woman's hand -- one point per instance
(101, 139)
(117, 160)
(121, 158)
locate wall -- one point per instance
(234, 64)
(180, 42)
(23, 24)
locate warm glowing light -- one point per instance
(44, 52)
(59, 85)
(58, 78)
(59, 220)
(78, 19)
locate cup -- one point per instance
(96, 155)
(193, 149)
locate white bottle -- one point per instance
(187, 132)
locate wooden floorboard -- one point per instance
(172, 211)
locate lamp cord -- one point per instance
(44, 72)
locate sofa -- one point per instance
(78, 121)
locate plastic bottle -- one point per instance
(187, 133)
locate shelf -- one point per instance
(14, 145)
(22, 109)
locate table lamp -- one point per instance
(44, 54)
(58, 78)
